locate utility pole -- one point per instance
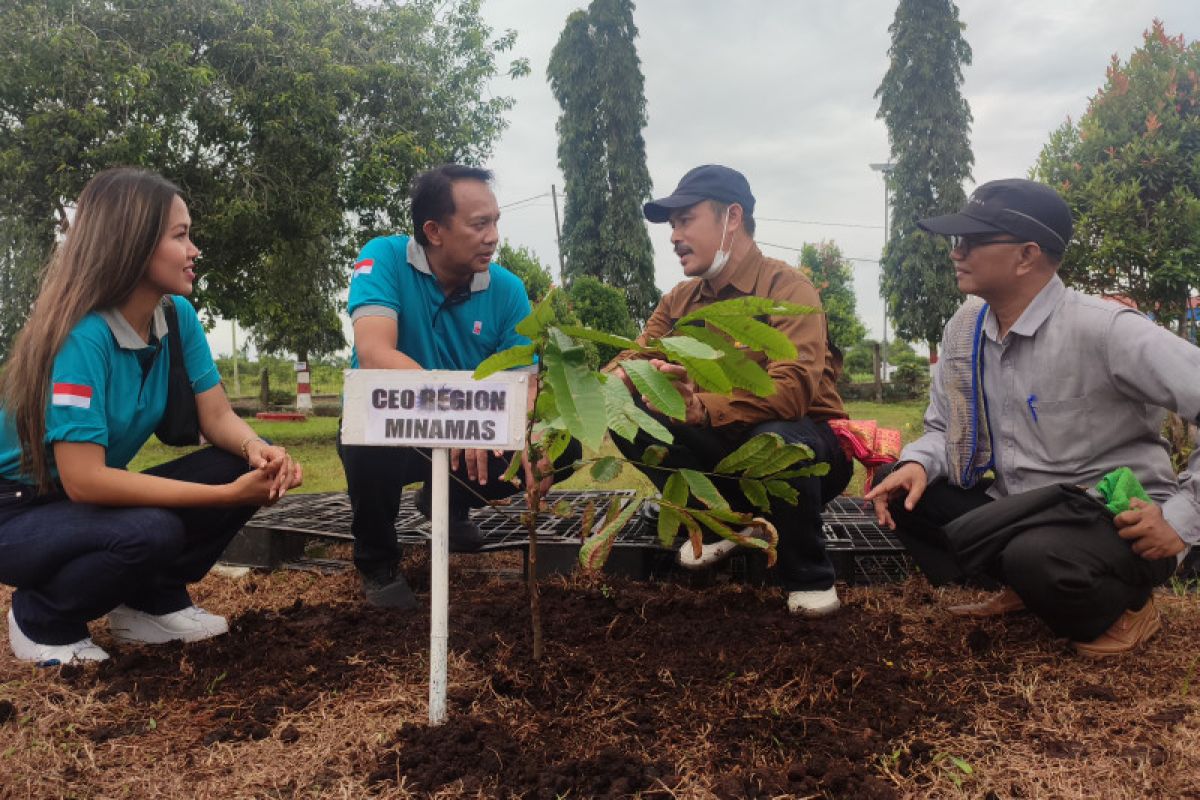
(237, 386)
(558, 235)
(886, 169)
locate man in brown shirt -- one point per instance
(712, 229)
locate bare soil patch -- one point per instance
(646, 691)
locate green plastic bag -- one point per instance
(1119, 487)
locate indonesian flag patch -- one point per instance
(364, 267)
(71, 394)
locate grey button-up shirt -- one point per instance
(1077, 388)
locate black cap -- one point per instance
(1031, 211)
(709, 182)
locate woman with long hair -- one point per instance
(84, 387)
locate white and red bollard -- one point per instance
(304, 401)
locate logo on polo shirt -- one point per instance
(71, 394)
(363, 267)
(477, 328)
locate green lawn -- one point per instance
(312, 443)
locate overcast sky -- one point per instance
(783, 90)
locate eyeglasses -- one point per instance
(965, 244)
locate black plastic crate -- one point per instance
(861, 551)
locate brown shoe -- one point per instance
(1002, 602)
(1131, 629)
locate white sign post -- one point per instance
(440, 410)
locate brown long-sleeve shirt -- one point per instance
(804, 386)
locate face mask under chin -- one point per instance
(721, 257)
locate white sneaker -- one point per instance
(191, 624)
(51, 655)
(820, 603)
(709, 554)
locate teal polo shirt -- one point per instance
(392, 279)
(97, 390)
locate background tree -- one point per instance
(859, 361)
(291, 125)
(830, 272)
(21, 258)
(1130, 170)
(602, 308)
(596, 77)
(929, 125)
(524, 263)
(900, 352)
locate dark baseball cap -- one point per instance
(708, 182)
(1031, 211)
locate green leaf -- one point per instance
(707, 374)
(514, 466)
(703, 489)
(780, 460)
(656, 387)
(554, 443)
(650, 425)
(742, 371)
(675, 491)
(653, 455)
(747, 307)
(563, 508)
(577, 393)
(534, 325)
(605, 469)
(731, 517)
(616, 404)
(754, 451)
(963, 765)
(545, 408)
(811, 471)
(716, 526)
(669, 521)
(519, 356)
(756, 493)
(784, 490)
(679, 347)
(758, 336)
(625, 419)
(601, 337)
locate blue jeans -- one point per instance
(803, 564)
(74, 562)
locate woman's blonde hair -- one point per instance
(120, 217)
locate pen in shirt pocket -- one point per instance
(1032, 403)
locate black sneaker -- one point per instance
(465, 536)
(385, 587)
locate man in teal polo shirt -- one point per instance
(433, 300)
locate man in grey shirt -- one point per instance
(1041, 385)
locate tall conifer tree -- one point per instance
(929, 125)
(596, 76)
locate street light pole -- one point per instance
(886, 169)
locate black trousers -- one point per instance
(375, 481)
(74, 562)
(1071, 569)
(803, 564)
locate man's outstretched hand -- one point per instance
(909, 479)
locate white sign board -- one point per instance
(434, 408)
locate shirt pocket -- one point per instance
(1063, 434)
